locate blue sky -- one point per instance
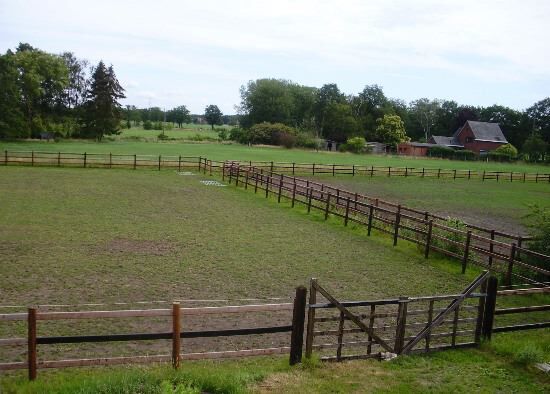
(168, 53)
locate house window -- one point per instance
(469, 140)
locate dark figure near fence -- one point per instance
(329, 146)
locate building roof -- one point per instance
(484, 131)
(445, 141)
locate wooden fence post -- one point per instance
(309, 190)
(340, 336)
(271, 169)
(480, 312)
(135, 161)
(267, 184)
(313, 168)
(371, 214)
(430, 319)
(161, 159)
(310, 318)
(6, 157)
(84, 160)
(32, 158)
(466, 250)
(327, 207)
(238, 174)
(298, 320)
(389, 171)
(176, 341)
(438, 173)
(31, 343)
(454, 174)
(491, 248)
(256, 183)
(401, 323)
(396, 228)
(110, 160)
(353, 170)
(524, 177)
(469, 174)
(508, 279)
(59, 159)
(483, 176)
(347, 212)
(371, 171)
(520, 242)
(293, 168)
(246, 180)
(179, 163)
(200, 161)
(293, 193)
(428, 239)
(280, 188)
(423, 172)
(490, 304)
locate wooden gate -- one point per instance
(382, 328)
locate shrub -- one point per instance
(307, 140)
(464, 155)
(223, 135)
(497, 156)
(162, 137)
(355, 144)
(147, 125)
(284, 139)
(239, 135)
(509, 150)
(440, 151)
(269, 133)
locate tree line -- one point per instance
(44, 93)
(329, 113)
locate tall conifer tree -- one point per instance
(102, 111)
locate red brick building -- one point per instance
(479, 137)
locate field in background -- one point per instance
(232, 151)
(489, 204)
(185, 133)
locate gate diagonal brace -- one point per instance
(352, 317)
(441, 316)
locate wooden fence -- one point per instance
(421, 228)
(388, 171)
(33, 316)
(364, 329)
(109, 160)
(404, 325)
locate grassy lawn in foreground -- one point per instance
(487, 370)
(217, 151)
(502, 206)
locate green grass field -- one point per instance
(233, 151)
(185, 133)
(72, 236)
(502, 206)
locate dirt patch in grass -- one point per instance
(142, 247)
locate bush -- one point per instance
(269, 133)
(441, 151)
(509, 150)
(284, 139)
(162, 137)
(464, 155)
(354, 144)
(223, 135)
(147, 125)
(239, 135)
(497, 156)
(307, 140)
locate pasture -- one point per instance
(489, 204)
(74, 236)
(233, 151)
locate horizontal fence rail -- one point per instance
(469, 245)
(33, 316)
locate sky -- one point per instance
(196, 53)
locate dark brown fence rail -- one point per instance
(388, 171)
(429, 232)
(33, 316)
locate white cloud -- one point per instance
(214, 44)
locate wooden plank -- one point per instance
(352, 317)
(12, 366)
(522, 309)
(310, 318)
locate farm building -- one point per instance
(479, 137)
(414, 148)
